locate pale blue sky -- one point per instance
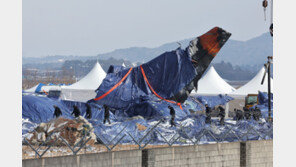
(90, 27)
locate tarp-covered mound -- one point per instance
(156, 108)
(263, 98)
(213, 101)
(38, 109)
(263, 104)
(193, 129)
(35, 89)
(172, 75)
(129, 122)
(134, 89)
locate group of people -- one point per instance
(248, 113)
(76, 112)
(209, 114)
(239, 114)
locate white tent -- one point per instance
(84, 89)
(212, 83)
(47, 88)
(91, 81)
(32, 90)
(254, 85)
(123, 65)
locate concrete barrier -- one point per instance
(241, 154)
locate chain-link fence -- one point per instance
(65, 142)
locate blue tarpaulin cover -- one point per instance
(170, 76)
(263, 104)
(213, 101)
(38, 109)
(167, 74)
(38, 89)
(263, 98)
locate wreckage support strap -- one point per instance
(44, 92)
(142, 70)
(115, 86)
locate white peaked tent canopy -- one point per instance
(91, 81)
(32, 90)
(47, 88)
(253, 86)
(212, 83)
(123, 65)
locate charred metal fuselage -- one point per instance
(202, 50)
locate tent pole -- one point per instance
(269, 93)
(227, 110)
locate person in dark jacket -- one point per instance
(76, 111)
(238, 114)
(221, 114)
(106, 114)
(257, 114)
(173, 114)
(247, 113)
(252, 113)
(208, 114)
(88, 111)
(57, 111)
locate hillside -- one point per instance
(251, 52)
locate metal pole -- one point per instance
(269, 93)
(271, 12)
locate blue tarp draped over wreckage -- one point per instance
(167, 74)
(263, 98)
(39, 109)
(263, 104)
(213, 101)
(38, 89)
(171, 76)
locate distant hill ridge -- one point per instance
(250, 52)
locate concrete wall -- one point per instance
(259, 153)
(210, 155)
(240, 154)
(132, 158)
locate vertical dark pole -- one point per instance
(269, 94)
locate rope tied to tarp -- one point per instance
(145, 78)
(44, 91)
(115, 86)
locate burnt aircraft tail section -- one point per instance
(202, 50)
